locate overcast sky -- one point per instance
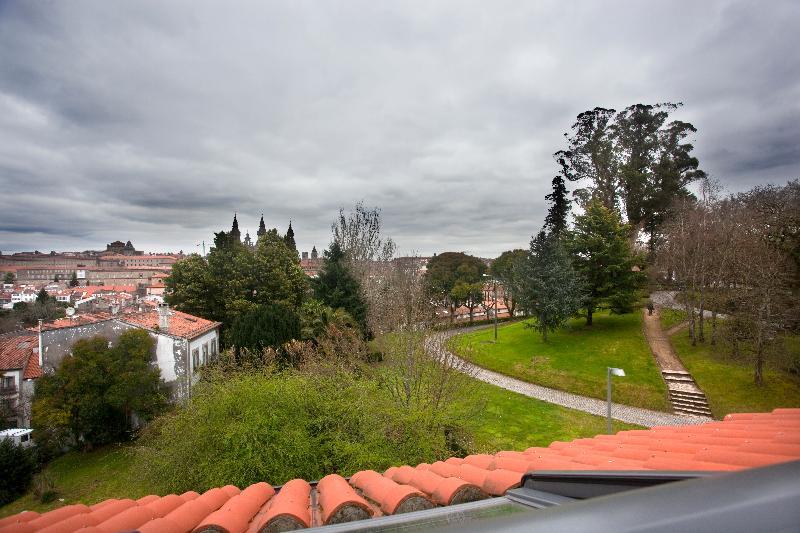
(155, 121)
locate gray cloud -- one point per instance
(155, 121)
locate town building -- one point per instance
(183, 342)
(19, 367)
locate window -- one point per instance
(8, 382)
(205, 353)
(213, 348)
(195, 359)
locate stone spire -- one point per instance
(289, 238)
(262, 229)
(314, 254)
(235, 233)
(247, 240)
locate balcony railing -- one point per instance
(8, 390)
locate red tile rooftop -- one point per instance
(180, 324)
(16, 352)
(740, 441)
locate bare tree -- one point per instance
(358, 234)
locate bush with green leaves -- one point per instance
(17, 465)
(96, 393)
(275, 426)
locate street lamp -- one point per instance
(611, 372)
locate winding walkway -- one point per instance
(437, 344)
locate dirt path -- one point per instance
(659, 343)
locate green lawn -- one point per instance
(498, 420)
(86, 477)
(671, 317)
(575, 358)
(729, 385)
(505, 420)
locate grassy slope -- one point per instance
(575, 358)
(729, 385)
(86, 477)
(498, 420)
(671, 317)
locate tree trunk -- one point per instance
(691, 327)
(714, 326)
(701, 335)
(589, 311)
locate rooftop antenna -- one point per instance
(204, 247)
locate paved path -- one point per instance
(437, 344)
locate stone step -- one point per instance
(679, 379)
(691, 395)
(676, 372)
(689, 403)
(692, 411)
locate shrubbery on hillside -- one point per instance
(274, 426)
(17, 465)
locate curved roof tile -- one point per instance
(740, 441)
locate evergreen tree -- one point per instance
(42, 297)
(550, 289)
(556, 220)
(289, 238)
(266, 326)
(337, 288)
(8, 278)
(73, 282)
(603, 257)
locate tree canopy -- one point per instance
(454, 279)
(550, 288)
(92, 397)
(603, 257)
(338, 288)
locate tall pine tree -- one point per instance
(556, 220)
(550, 289)
(337, 288)
(603, 256)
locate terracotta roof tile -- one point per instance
(180, 324)
(16, 350)
(740, 441)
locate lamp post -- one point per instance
(611, 372)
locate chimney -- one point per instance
(305, 255)
(163, 317)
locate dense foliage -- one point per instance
(264, 426)
(507, 269)
(633, 159)
(550, 290)
(235, 279)
(28, 314)
(603, 257)
(98, 393)
(455, 279)
(17, 465)
(337, 287)
(265, 326)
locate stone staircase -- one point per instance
(684, 394)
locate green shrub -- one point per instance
(17, 465)
(273, 427)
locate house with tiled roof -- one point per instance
(183, 342)
(735, 475)
(19, 367)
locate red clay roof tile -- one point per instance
(740, 441)
(339, 502)
(288, 510)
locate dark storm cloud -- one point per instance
(155, 121)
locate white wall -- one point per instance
(165, 356)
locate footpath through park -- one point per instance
(437, 344)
